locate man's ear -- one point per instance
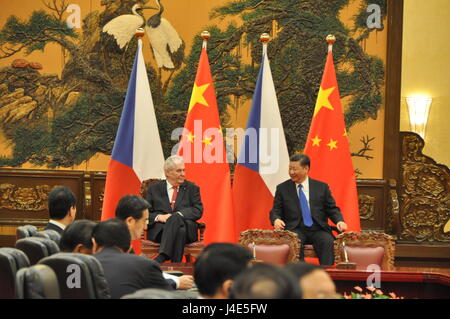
(73, 212)
(130, 220)
(78, 248)
(226, 286)
(95, 247)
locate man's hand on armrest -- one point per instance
(341, 226)
(279, 224)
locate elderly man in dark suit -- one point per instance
(304, 205)
(175, 207)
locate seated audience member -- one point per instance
(216, 267)
(175, 207)
(265, 281)
(77, 237)
(314, 282)
(125, 273)
(133, 210)
(62, 208)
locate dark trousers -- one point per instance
(173, 238)
(322, 241)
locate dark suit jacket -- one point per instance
(188, 202)
(126, 273)
(54, 227)
(286, 205)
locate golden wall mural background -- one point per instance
(189, 18)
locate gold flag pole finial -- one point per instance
(265, 38)
(140, 32)
(205, 36)
(330, 40)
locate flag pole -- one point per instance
(205, 36)
(330, 40)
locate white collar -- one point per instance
(54, 222)
(305, 183)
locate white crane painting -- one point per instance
(163, 37)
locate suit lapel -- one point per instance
(181, 192)
(292, 189)
(312, 195)
(165, 195)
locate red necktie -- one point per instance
(174, 196)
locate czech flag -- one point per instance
(263, 161)
(137, 153)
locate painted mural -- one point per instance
(63, 120)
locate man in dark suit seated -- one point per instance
(175, 207)
(304, 205)
(133, 211)
(125, 273)
(62, 208)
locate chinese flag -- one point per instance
(203, 150)
(327, 146)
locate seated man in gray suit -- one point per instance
(175, 208)
(304, 205)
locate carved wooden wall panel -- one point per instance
(372, 202)
(24, 193)
(425, 194)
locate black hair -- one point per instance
(217, 263)
(265, 281)
(131, 206)
(301, 269)
(60, 200)
(79, 232)
(112, 233)
(303, 159)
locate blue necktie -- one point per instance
(307, 220)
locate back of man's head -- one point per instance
(315, 283)
(112, 233)
(60, 200)
(131, 206)
(264, 281)
(77, 233)
(218, 263)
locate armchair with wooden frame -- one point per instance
(277, 247)
(365, 249)
(150, 248)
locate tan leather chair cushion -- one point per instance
(365, 256)
(272, 254)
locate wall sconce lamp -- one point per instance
(419, 108)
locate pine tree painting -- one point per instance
(61, 122)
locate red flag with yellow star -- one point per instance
(202, 147)
(328, 148)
